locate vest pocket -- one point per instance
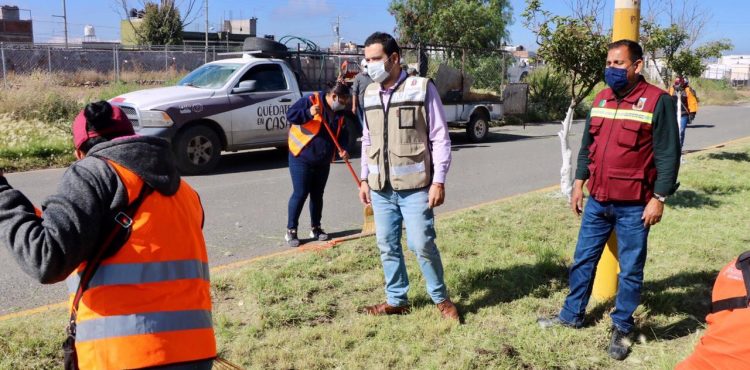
(373, 165)
(625, 184)
(409, 167)
(595, 125)
(628, 136)
(407, 117)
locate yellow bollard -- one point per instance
(626, 25)
(605, 282)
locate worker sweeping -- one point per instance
(724, 344)
(126, 231)
(311, 150)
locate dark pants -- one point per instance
(307, 180)
(599, 219)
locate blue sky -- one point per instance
(313, 19)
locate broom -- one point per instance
(368, 226)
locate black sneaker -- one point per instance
(291, 238)
(548, 322)
(317, 233)
(619, 344)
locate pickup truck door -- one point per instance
(261, 114)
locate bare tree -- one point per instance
(689, 15)
(588, 10)
(189, 11)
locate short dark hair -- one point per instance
(339, 88)
(634, 49)
(390, 45)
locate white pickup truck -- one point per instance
(241, 103)
(230, 104)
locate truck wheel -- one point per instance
(477, 129)
(197, 150)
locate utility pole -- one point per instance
(65, 22)
(205, 55)
(337, 30)
(626, 25)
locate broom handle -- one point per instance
(336, 141)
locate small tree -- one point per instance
(470, 31)
(577, 49)
(670, 44)
(456, 23)
(161, 26)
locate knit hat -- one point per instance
(117, 125)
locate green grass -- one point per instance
(716, 92)
(505, 263)
(29, 144)
(37, 110)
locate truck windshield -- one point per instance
(210, 76)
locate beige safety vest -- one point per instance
(399, 137)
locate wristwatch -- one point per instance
(660, 197)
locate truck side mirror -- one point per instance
(244, 87)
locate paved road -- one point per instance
(246, 199)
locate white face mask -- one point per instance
(337, 106)
(377, 71)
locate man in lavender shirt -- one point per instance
(406, 156)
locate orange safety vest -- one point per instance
(692, 100)
(725, 343)
(301, 135)
(149, 304)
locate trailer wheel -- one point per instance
(478, 128)
(197, 150)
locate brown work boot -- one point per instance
(385, 309)
(448, 310)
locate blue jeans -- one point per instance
(391, 208)
(599, 218)
(307, 179)
(683, 126)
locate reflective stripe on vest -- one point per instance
(633, 115)
(142, 323)
(141, 273)
(301, 135)
(149, 304)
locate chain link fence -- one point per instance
(102, 62)
(482, 70)
(738, 76)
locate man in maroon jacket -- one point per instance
(630, 156)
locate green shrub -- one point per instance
(714, 92)
(549, 96)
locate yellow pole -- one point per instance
(626, 25)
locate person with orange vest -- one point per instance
(688, 103)
(311, 151)
(126, 232)
(725, 345)
(629, 158)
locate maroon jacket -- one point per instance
(621, 152)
